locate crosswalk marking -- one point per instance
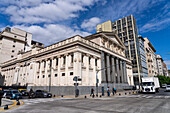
(146, 96)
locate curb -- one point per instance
(14, 105)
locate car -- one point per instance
(168, 88)
(13, 94)
(4, 95)
(42, 94)
(23, 92)
(164, 85)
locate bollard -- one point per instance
(6, 107)
(18, 103)
(100, 96)
(62, 95)
(85, 96)
(125, 93)
(129, 92)
(54, 96)
(93, 96)
(119, 94)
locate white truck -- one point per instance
(150, 84)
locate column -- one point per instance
(113, 70)
(125, 72)
(117, 67)
(121, 69)
(108, 68)
(103, 66)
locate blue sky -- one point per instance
(53, 20)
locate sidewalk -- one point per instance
(119, 93)
(6, 102)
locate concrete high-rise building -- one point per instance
(126, 29)
(150, 58)
(165, 70)
(13, 41)
(159, 61)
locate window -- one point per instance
(95, 62)
(89, 60)
(82, 58)
(63, 74)
(43, 76)
(39, 65)
(55, 75)
(72, 58)
(38, 77)
(15, 36)
(49, 75)
(14, 41)
(64, 59)
(13, 45)
(12, 56)
(44, 64)
(13, 51)
(71, 73)
(56, 61)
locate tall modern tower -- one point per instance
(126, 29)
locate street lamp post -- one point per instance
(50, 76)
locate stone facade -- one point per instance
(57, 64)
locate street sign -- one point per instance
(75, 78)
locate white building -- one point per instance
(75, 56)
(150, 58)
(160, 66)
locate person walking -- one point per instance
(92, 92)
(113, 91)
(108, 91)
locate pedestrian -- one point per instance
(92, 92)
(108, 91)
(113, 91)
(1, 95)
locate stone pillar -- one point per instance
(125, 72)
(108, 68)
(121, 69)
(103, 66)
(117, 68)
(113, 70)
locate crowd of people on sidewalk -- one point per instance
(108, 91)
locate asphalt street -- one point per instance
(139, 103)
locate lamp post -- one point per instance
(50, 75)
(18, 69)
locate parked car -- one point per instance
(164, 85)
(13, 94)
(42, 94)
(5, 91)
(168, 88)
(23, 92)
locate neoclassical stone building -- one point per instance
(75, 56)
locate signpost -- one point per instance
(76, 84)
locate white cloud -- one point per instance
(40, 11)
(90, 24)
(155, 26)
(51, 33)
(167, 64)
